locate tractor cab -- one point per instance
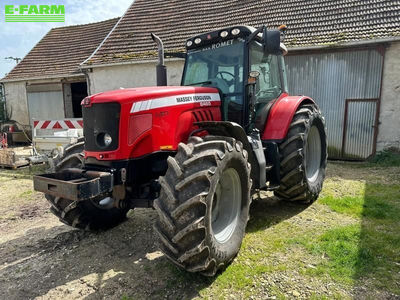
(244, 63)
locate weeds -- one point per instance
(387, 158)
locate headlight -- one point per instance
(189, 43)
(197, 41)
(103, 140)
(235, 31)
(107, 139)
(224, 34)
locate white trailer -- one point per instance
(50, 137)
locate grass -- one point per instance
(356, 253)
(340, 252)
(26, 194)
(376, 201)
(351, 240)
(368, 250)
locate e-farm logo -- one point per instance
(34, 13)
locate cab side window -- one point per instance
(269, 84)
(197, 71)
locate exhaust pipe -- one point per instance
(161, 68)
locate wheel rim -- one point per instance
(313, 154)
(103, 203)
(226, 205)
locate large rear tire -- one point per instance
(303, 156)
(204, 204)
(88, 214)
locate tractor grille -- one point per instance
(99, 119)
(203, 115)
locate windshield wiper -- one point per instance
(197, 83)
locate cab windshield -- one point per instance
(219, 65)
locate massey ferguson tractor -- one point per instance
(197, 152)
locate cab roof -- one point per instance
(233, 32)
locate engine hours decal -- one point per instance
(205, 103)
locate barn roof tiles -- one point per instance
(310, 23)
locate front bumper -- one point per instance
(75, 184)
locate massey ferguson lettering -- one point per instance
(193, 98)
(202, 98)
(184, 99)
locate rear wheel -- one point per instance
(89, 214)
(303, 156)
(204, 204)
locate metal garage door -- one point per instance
(360, 128)
(45, 102)
(330, 79)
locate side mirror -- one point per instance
(272, 41)
(253, 76)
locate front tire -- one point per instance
(88, 214)
(303, 156)
(204, 204)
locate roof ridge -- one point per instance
(103, 41)
(324, 23)
(92, 23)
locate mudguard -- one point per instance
(281, 115)
(251, 144)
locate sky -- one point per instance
(17, 39)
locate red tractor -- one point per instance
(195, 152)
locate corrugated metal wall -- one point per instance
(330, 79)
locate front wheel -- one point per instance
(303, 156)
(88, 214)
(204, 204)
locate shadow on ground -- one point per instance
(268, 211)
(62, 262)
(378, 257)
(373, 244)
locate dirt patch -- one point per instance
(55, 261)
(363, 172)
(32, 211)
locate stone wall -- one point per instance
(389, 128)
(16, 101)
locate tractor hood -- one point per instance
(147, 93)
(141, 121)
